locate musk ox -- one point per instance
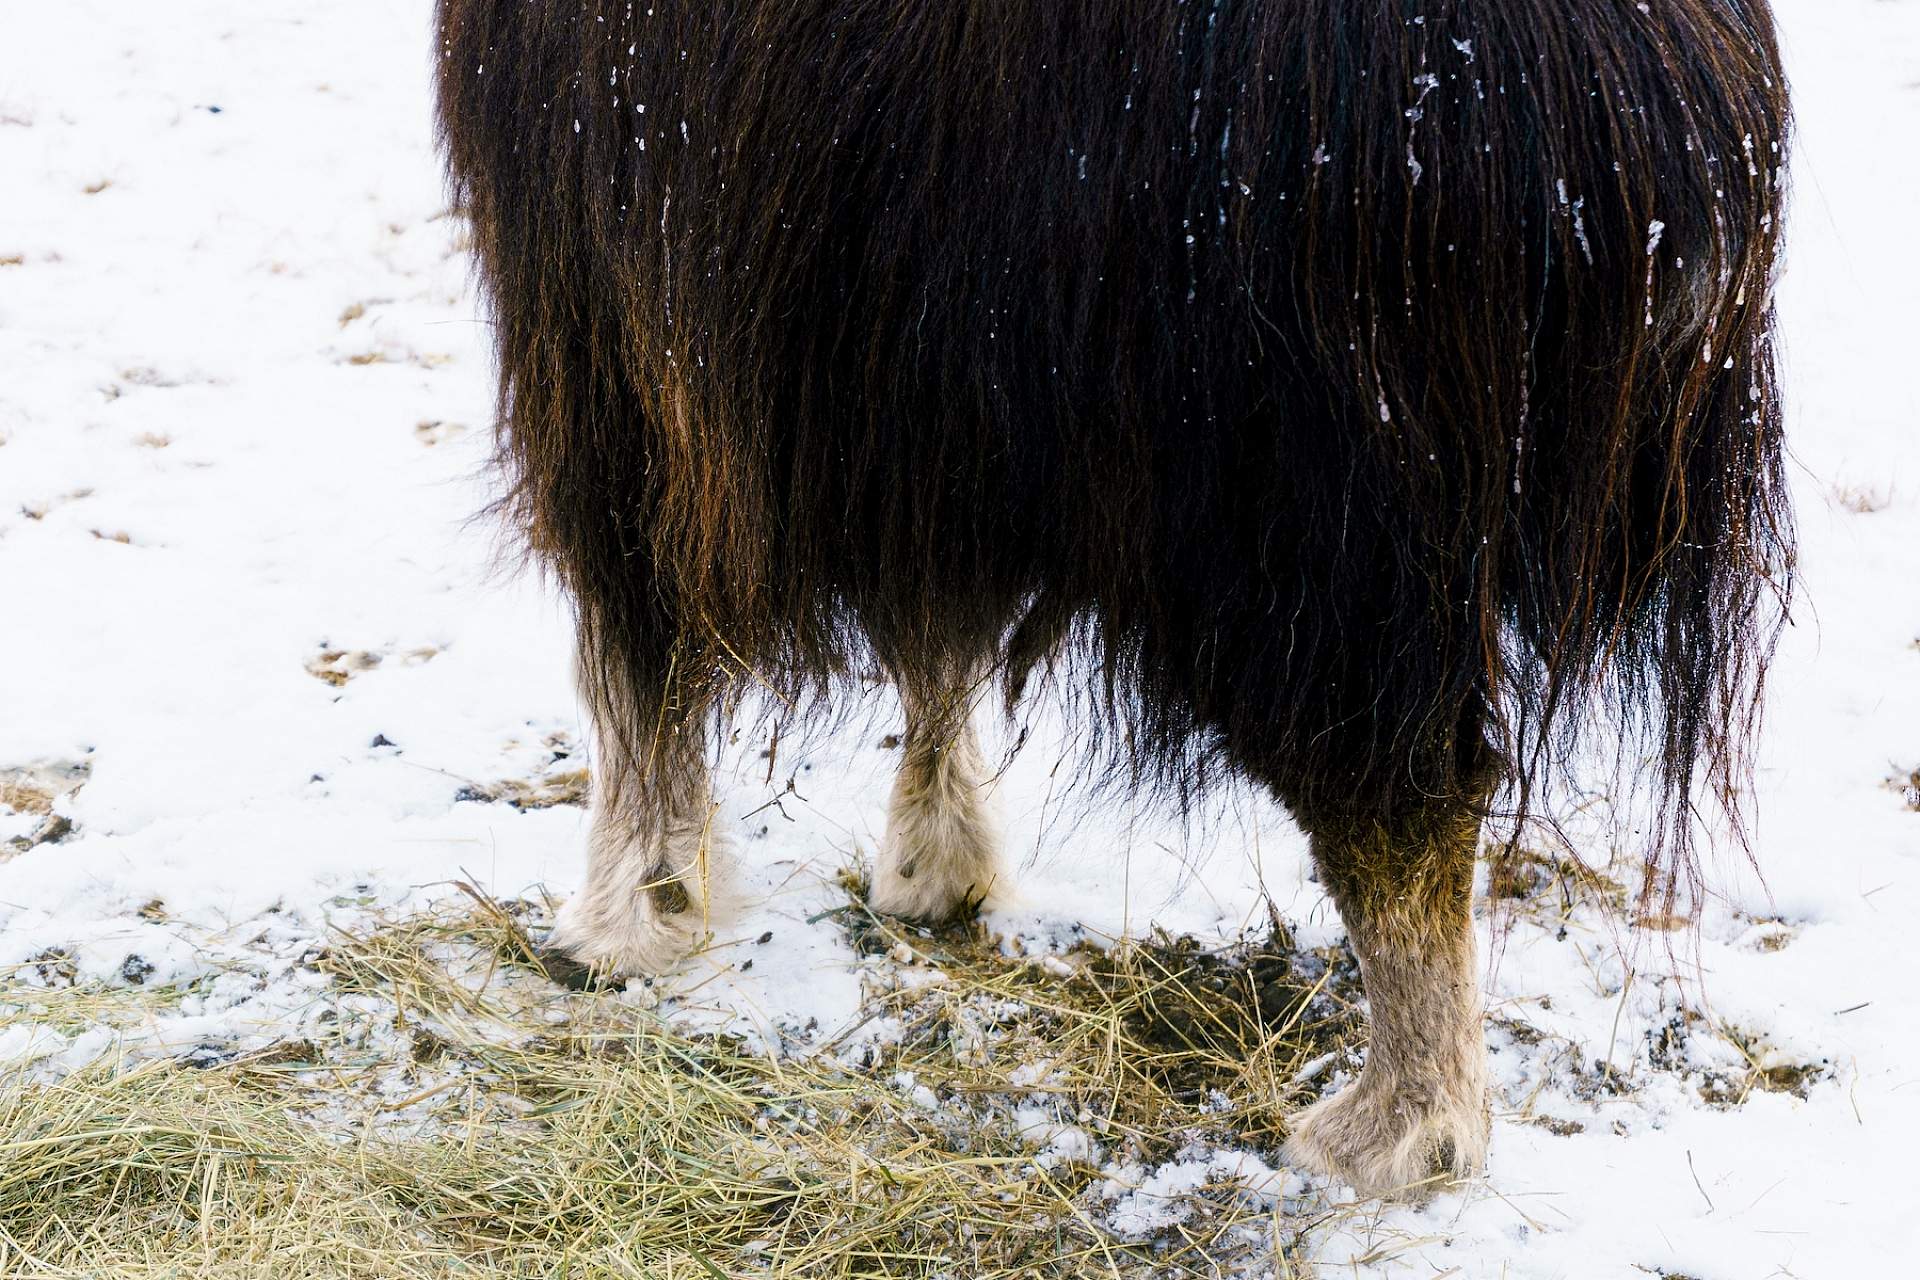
(1372, 399)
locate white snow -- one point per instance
(244, 408)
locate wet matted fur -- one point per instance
(1374, 399)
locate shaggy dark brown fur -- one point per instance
(1373, 398)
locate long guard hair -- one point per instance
(1366, 395)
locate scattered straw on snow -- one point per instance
(458, 1114)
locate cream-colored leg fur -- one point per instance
(941, 854)
(652, 884)
(1416, 1119)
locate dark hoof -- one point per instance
(563, 970)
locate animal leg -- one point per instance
(653, 863)
(1417, 1116)
(941, 854)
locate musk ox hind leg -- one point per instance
(654, 864)
(940, 857)
(1416, 1118)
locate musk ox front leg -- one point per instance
(654, 864)
(941, 854)
(1416, 1118)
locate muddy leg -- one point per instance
(653, 863)
(1417, 1116)
(941, 855)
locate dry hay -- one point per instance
(461, 1115)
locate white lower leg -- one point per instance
(647, 901)
(652, 882)
(1416, 1119)
(941, 855)
(1417, 1116)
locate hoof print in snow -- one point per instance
(55, 967)
(28, 796)
(1726, 1082)
(337, 666)
(1764, 1069)
(399, 355)
(1558, 1127)
(35, 787)
(424, 1046)
(50, 830)
(1769, 934)
(1860, 499)
(543, 792)
(543, 785)
(432, 431)
(39, 509)
(204, 1057)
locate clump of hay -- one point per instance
(461, 1115)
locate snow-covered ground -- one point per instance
(266, 672)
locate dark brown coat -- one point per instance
(1371, 397)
